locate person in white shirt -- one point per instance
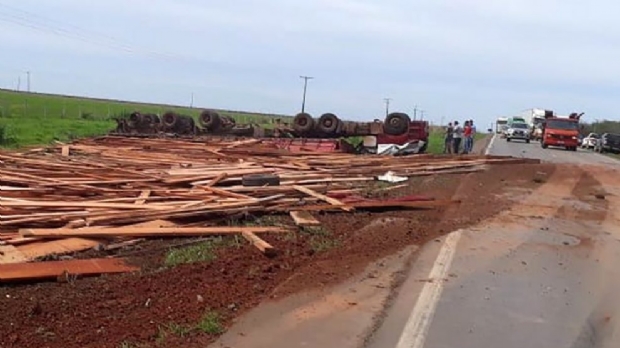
(457, 136)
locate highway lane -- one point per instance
(519, 148)
(543, 274)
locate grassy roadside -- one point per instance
(34, 119)
(436, 141)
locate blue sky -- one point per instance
(455, 59)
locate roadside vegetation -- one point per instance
(38, 119)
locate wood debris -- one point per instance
(69, 198)
(62, 269)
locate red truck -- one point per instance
(561, 131)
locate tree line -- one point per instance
(601, 127)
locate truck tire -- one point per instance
(396, 123)
(543, 145)
(260, 180)
(303, 123)
(136, 119)
(507, 139)
(328, 123)
(210, 120)
(527, 141)
(169, 119)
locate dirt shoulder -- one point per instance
(191, 304)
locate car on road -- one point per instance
(590, 142)
(608, 143)
(519, 131)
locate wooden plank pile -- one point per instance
(113, 190)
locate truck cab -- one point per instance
(561, 132)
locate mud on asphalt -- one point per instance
(160, 306)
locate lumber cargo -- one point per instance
(116, 191)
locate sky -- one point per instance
(453, 59)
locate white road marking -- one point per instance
(419, 321)
(488, 150)
(416, 328)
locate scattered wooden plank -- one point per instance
(329, 200)
(304, 218)
(9, 254)
(217, 179)
(378, 204)
(103, 232)
(123, 244)
(37, 271)
(260, 244)
(62, 246)
(65, 151)
(68, 204)
(143, 196)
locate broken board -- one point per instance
(304, 218)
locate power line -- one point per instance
(47, 25)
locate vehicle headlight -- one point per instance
(574, 138)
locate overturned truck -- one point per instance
(326, 133)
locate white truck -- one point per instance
(501, 124)
(534, 118)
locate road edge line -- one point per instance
(488, 150)
(418, 323)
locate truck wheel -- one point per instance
(543, 145)
(396, 123)
(303, 123)
(169, 119)
(260, 180)
(527, 141)
(508, 139)
(210, 120)
(328, 123)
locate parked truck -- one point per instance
(561, 131)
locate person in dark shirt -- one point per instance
(447, 144)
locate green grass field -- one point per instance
(436, 141)
(37, 119)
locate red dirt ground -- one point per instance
(130, 310)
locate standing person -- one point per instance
(473, 134)
(466, 137)
(457, 134)
(447, 144)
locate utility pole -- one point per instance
(422, 115)
(28, 80)
(387, 106)
(303, 102)
(19, 82)
(191, 102)
(415, 112)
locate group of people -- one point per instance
(459, 139)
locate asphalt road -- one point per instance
(519, 148)
(545, 274)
